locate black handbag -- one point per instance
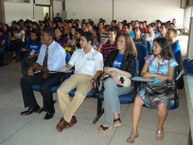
(154, 93)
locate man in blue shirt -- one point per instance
(50, 59)
(176, 47)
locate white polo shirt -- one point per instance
(88, 63)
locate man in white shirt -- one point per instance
(88, 65)
(50, 59)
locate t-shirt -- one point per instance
(118, 60)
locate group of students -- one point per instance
(115, 53)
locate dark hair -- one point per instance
(79, 30)
(88, 36)
(112, 29)
(173, 30)
(60, 29)
(36, 32)
(166, 52)
(50, 32)
(166, 25)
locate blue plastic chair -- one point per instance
(91, 93)
(173, 104)
(142, 52)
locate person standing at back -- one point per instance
(88, 65)
(50, 59)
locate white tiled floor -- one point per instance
(33, 130)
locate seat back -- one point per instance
(173, 104)
(142, 52)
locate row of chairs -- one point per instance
(124, 99)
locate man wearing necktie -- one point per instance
(50, 59)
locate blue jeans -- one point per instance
(111, 99)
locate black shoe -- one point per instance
(40, 110)
(49, 114)
(30, 110)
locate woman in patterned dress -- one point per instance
(159, 66)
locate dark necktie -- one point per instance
(45, 74)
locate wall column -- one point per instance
(190, 42)
(2, 11)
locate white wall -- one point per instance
(149, 10)
(16, 11)
(57, 7)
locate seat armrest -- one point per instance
(141, 79)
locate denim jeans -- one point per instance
(111, 99)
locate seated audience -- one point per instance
(121, 61)
(108, 44)
(17, 41)
(138, 38)
(96, 38)
(164, 29)
(128, 29)
(50, 59)
(30, 51)
(176, 47)
(88, 65)
(77, 36)
(159, 66)
(150, 35)
(59, 36)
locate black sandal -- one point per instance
(103, 128)
(117, 122)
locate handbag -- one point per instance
(99, 83)
(154, 93)
(125, 82)
(188, 66)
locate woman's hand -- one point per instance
(108, 70)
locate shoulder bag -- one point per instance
(154, 93)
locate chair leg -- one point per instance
(100, 110)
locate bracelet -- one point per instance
(154, 75)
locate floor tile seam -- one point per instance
(18, 130)
(124, 113)
(9, 105)
(117, 128)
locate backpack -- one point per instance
(188, 66)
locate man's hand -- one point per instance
(64, 69)
(44, 69)
(30, 71)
